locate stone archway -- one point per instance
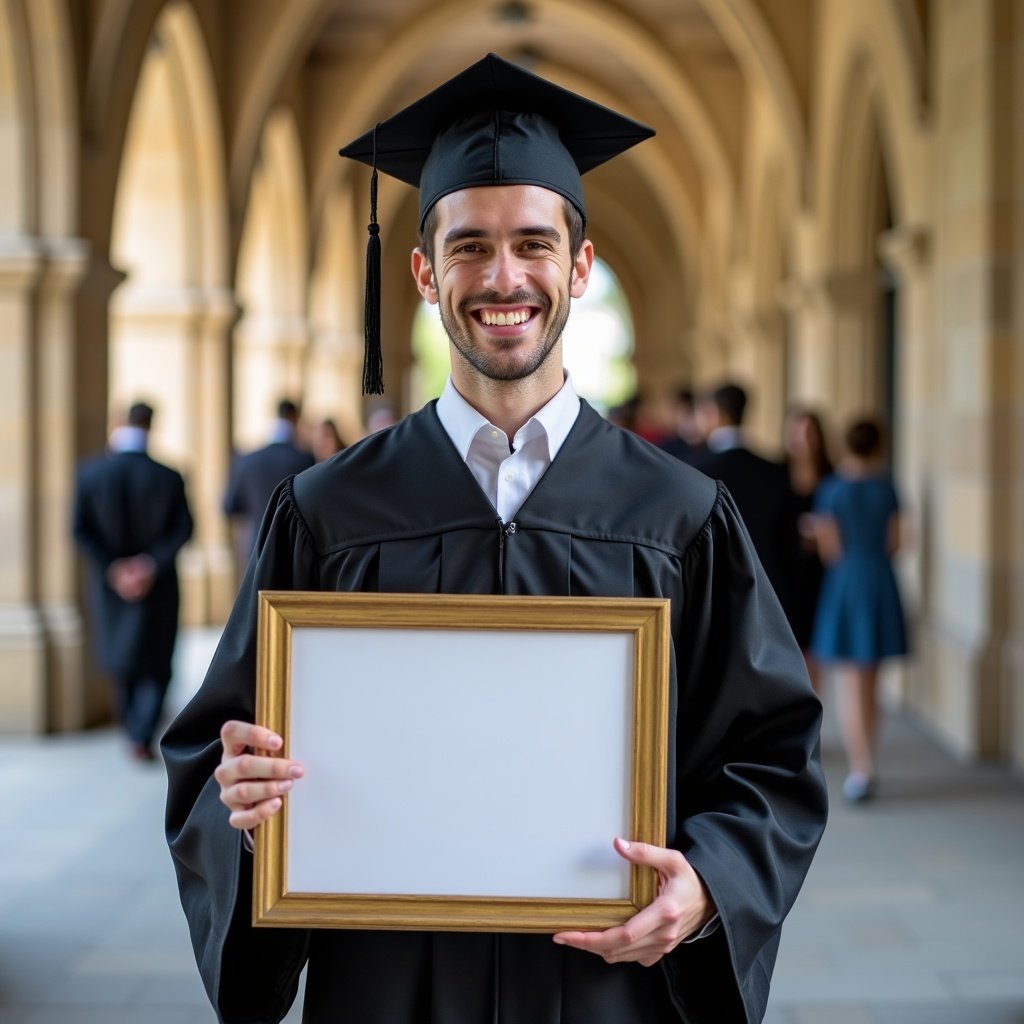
(169, 320)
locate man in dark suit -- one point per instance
(131, 517)
(760, 488)
(255, 475)
(688, 444)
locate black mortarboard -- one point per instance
(493, 124)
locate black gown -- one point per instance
(612, 516)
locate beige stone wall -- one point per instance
(174, 223)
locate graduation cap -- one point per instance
(493, 124)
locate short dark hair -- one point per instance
(573, 218)
(731, 401)
(864, 438)
(140, 415)
(287, 409)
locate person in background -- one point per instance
(130, 519)
(688, 443)
(759, 486)
(254, 476)
(860, 617)
(326, 440)
(808, 462)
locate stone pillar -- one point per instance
(53, 341)
(23, 695)
(211, 445)
(57, 566)
(761, 341)
(906, 251)
(835, 347)
(334, 373)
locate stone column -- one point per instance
(23, 695)
(211, 443)
(906, 251)
(57, 565)
(835, 344)
(53, 342)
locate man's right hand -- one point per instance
(251, 786)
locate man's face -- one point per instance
(502, 277)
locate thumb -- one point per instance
(668, 861)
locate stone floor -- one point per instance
(913, 912)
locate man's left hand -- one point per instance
(681, 909)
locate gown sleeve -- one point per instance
(251, 975)
(750, 794)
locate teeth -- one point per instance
(504, 319)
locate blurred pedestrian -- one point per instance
(254, 476)
(809, 464)
(860, 617)
(759, 486)
(130, 518)
(326, 440)
(688, 442)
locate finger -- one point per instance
(594, 942)
(668, 862)
(236, 736)
(255, 768)
(248, 794)
(250, 817)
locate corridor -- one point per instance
(913, 912)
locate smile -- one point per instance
(503, 317)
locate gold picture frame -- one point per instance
(500, 752)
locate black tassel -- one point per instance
(373, 360)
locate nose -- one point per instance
(504, 272)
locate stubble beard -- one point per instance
(492, 364)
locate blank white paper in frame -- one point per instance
(502, 772)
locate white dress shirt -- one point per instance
(507, 471)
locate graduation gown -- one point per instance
(612, 516)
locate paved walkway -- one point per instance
(913, 912)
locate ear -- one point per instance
(581, 269)
(423, 274)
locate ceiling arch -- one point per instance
(757, 50)
(370, 86)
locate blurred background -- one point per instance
(831, 214)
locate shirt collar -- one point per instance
(128, 439)
(724, 439)
(283, 432)
(554, 420)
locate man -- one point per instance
(131, 518)
(688, 443)
(510, 484)
(760, 488)
(255, 475)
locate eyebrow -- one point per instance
(534, 231)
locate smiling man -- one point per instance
(510, 484)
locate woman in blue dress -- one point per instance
(860, 615)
